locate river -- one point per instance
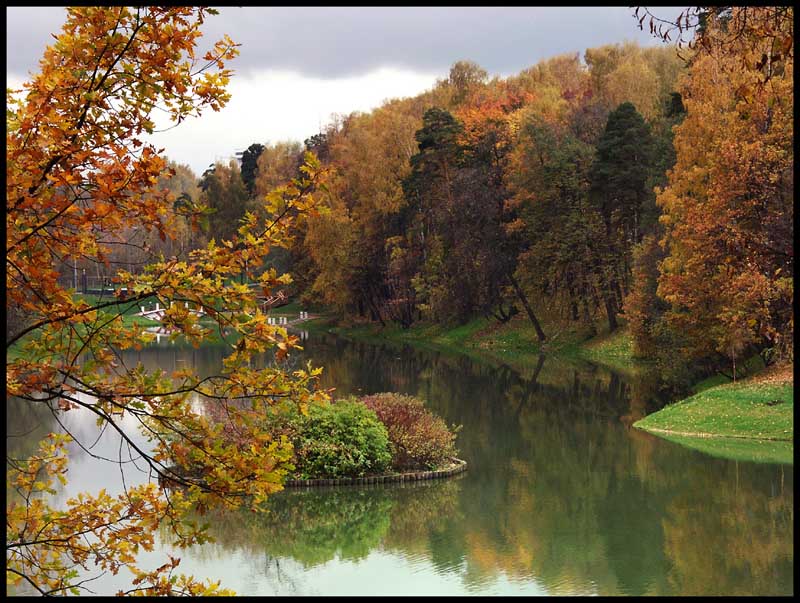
(562, 496)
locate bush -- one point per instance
(343, 439)
(419, 439)
(353, 438)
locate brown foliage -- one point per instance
(420, 439)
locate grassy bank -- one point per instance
(478, 339)
(751, 419)
(758, 408)
(128, 311)
(514, 342)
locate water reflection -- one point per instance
(562, 496)
(590, 526)
(314, 526)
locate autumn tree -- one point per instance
(555, 90)
(371, 154)
(643, 308)
(487, 142)
(182, 182)
(629, 73)
(465, 77)
(75, 160)
(728, 205)
(134, 247)
(279, 163)
(706, 30)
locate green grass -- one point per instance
(292, 309)
(318, 324)
(737, 410)
(513, 343)
(128, 311)
(614, 350)
(614, 347)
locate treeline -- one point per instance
(492, 197)
(634, 184)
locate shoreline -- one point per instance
(753, 402)
(458, 466)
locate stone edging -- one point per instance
(457, 467)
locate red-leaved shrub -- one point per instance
(419, 439)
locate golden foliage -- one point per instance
(77, 172)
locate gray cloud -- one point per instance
(333, 42)
(28, 32)
(342, 41)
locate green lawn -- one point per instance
(763, 411)
(292, 310)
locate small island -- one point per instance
(374, 439)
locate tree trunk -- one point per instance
(611, 311)
(587, 317)
(573, 306)
(609, 300)
(376, 313)
(539, 333)
(619, 296)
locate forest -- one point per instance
(646, 186)
(623, 188)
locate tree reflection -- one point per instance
(313, 526)
(559, 490)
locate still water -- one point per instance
(561, 497)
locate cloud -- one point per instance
(271, 106)
(298, 65)
(28, 33)
(333, 42)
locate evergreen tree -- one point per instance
(431, 215)
(621, 170)
(619, 191)
(225, 192)
(250, 166)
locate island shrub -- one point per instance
(419, 438)
(341, 439)
(357, 437)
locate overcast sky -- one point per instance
(299, 65)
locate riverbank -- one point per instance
(456, 467)
(760, 407)
(513, 343)
(751, 419)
